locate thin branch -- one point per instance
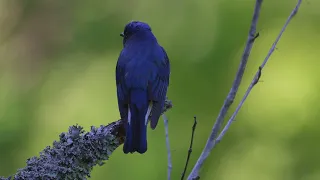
(233, 91)
(165, 119)
(190, 148)
(255, 79)
(258, 74)
(77, 152)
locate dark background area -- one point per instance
(57, 69)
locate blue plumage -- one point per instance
(142, 78)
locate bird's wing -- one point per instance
(159, 89)
(121, 86)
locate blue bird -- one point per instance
(142, 78)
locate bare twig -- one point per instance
(190, 148)
(165, 119)
(77, 152)
(233, 91)
(255, 80)
(258, 74)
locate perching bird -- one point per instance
(142, 78)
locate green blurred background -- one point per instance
(57, 63)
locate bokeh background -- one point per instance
(57, 63)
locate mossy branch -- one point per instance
(77, 152)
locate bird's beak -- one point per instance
(121, 34)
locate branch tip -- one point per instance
(256, 36)
(190, 147)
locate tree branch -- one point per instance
(233, 91)
(213, 142)
(165, 120)
(190, 147)
(258, 74)
(77, 152)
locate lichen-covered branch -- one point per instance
(76, 153)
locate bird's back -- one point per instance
(142, 60)
(142, 76)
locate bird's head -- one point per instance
(134, 27)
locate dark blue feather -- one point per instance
(159, 89)
(142, 77)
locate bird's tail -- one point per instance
(136, 127)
